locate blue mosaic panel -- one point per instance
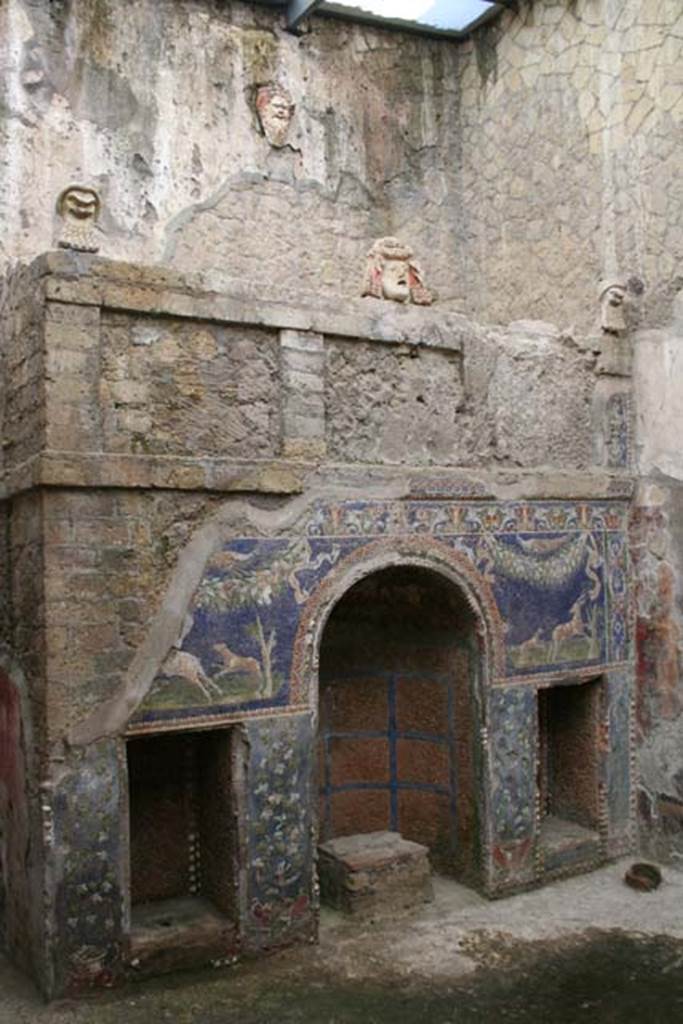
(238, 639)
(618, 755)
(387, 518)
(557, 572)
(89, 900)
(280, 853)
(618, 430)
(620, 633)
(550, 592)
(512, 735)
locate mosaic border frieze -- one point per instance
(394, 518)
(372, 557)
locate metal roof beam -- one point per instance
(297, 10)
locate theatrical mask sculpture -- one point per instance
(79, 208)
(612, 295)
(275, 111)
(392, 273)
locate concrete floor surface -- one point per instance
(588, 948)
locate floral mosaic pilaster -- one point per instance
(87, 857)
(280, 868)
(620, 764)
(512, 731)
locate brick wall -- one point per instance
(396, 743)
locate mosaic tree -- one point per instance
(257, 580)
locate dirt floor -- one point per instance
(587, 949)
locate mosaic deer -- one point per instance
(530, 650)
(233, 663)
(190, 669)
(573, 628)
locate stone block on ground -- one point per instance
(373, 874)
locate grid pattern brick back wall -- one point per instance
(182, 831)
(396, 744)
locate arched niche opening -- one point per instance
(399, 716)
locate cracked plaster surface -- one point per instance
(571, 165)
(522, 165)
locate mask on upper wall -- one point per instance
(612, 295)
(393, 273)
(78, 207)
(275, 110)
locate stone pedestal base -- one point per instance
(378, 873)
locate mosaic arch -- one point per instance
(422, 553)
(279, 611)
(547, 582)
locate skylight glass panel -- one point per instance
(445, 15)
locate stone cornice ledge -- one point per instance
(80, 279)
(288, 477)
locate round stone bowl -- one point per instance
(644, 877)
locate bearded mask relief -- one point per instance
(392, 273)
(275, 111)
(79, 208)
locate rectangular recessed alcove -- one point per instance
(183, 846)
(568, 771)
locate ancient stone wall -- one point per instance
(158, 422)
(108, 557)
(21, 366)
(168, 560)
(571, 119)
(165, 383)
(570, 116)
(160, 411)
(524, 165)
(157, 110)
(386, 385)
(657, 550)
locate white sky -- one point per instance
(453, 14)
(410, 9)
